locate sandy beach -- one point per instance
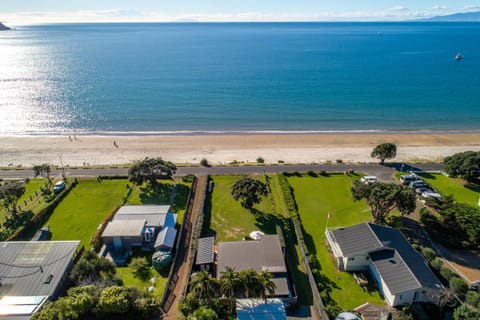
(223, 149)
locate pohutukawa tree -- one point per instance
(249, 191)
(384, 151)
(10, 193)
(151, 169)
(382, 198)
(42, 170)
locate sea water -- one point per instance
(229, 77)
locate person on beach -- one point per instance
(115, 144)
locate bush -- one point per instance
(459, 287)
(339, 161)
(447, 273)
(323, 173)
(281, 161)
(188, 178)
(436, 263)
(312, 173)
(429, 254)
(204, 163)
(260, 160)
(473, 299)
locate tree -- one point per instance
(10, 193)
(91, 269)
(229, 282)
(458, 286)
(151, 169)
(464, 164)
(249, 191)
(249, 282)
(465, 312)
(384, 151)
(141, 268)
(204, 288)
(116, 300)
(203, 313)
(265, 284)
(42, 170)
(382, 198)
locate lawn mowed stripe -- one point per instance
(316, 197)
(84, 208)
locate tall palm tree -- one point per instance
(229, 282)
(204, 288)
(266, 284)
(249, 282)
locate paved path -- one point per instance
(181, 268)
(384, 172)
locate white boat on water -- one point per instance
(458, 56)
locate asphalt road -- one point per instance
(383, 172)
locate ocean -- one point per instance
(239, 77)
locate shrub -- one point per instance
(323, 173)
(458, 286)
(312, 173)
(188, 178)
(204, 163)
(447, 273)
(473, 298)
(281, 161)
(260, 160)
(436, 263)
(429, 254)
(339, 161)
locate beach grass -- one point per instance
(462, 191)
(315, 197)
(78, 216)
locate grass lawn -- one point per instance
(84, 208)
(315, 197)
(232, 222)
(36, 204)
(462, 191)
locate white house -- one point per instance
(400, 272)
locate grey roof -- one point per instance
(249, 309)
(281, 286)
(359, 238)
(124, 228)
(20, 263)
(143, 209)
(395, 272)
(393, 238)
(151, 220)
(264, 254)
(166, 238)
(205, 250)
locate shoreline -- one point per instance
(115, 149)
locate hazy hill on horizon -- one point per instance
(457, 17)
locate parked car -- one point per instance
(421, 190)
(368, 179)
(59, 186)
(407, 178)
(418, 184)
(432, 195)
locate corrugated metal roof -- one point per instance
(151, 220)
(264, 254)
(166, 238)
(143, 209)
(38, 275)
(124, 228)
(205, 252)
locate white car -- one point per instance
(431, 195)
(368, 179)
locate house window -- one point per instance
(148, 236)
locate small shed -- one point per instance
(205, 253)
(165, 239)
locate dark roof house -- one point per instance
(265, 254)
(400, 272)
(32, 272)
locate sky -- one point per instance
(47, 11)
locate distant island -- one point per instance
(458, 17)
(3, 27)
